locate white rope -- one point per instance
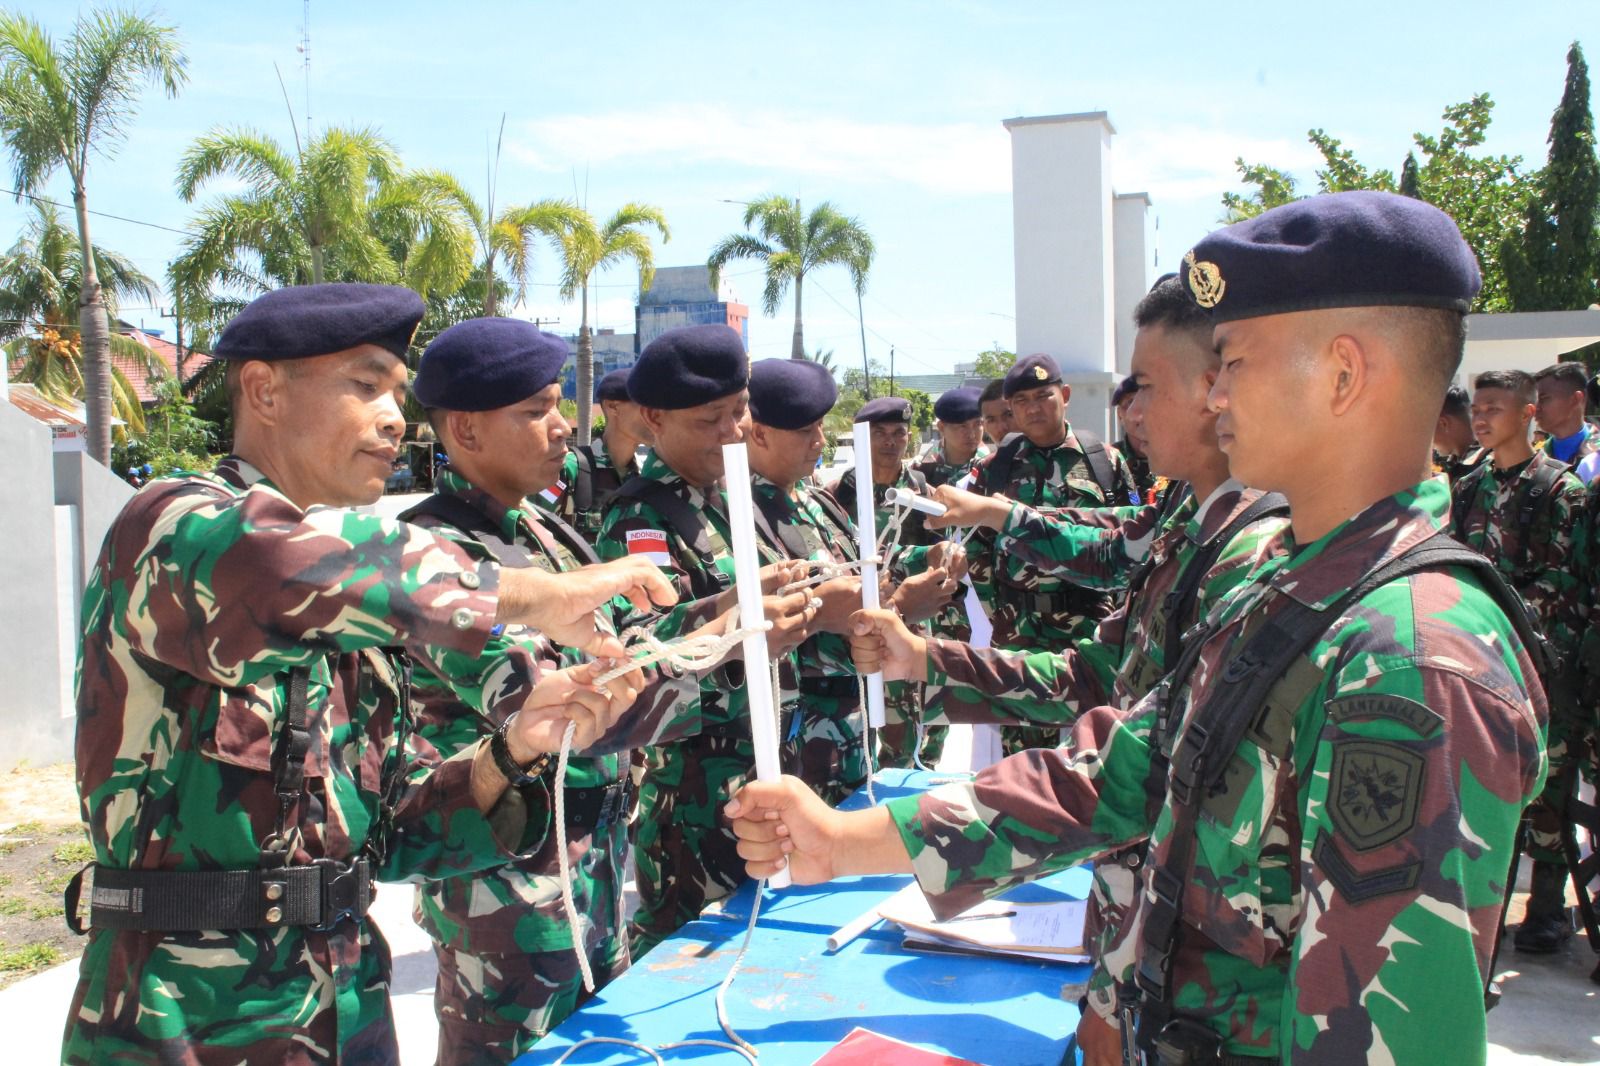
(574, 923)
(869, 741)
(701, 651)
(826, 571)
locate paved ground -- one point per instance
(1550, 1013)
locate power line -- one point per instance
(102, 214)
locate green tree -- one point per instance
(1551, 265)
(993, 363)
(1410, 180)
(56, 107)
(341, 209)
(1485, 194)
(173, 438)
(586, 248)
(792, 245)
(41, 282)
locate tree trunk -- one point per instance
(798, 350)
(490, 303)
(94, 338)
(585, 372)
(316, 264)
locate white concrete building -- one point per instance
(1082, 255)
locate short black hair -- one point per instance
(1571, 374)
(1168, 304)
(992, 391)
(1517, 382)
(1457, 403)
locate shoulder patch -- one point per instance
(1373, 789)
(1357, 887)
(650, 543)
(1368, 707)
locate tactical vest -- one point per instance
(592, 486)
(997, 472)
(1256, 698)
(1533, 499)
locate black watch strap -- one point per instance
(500, 751)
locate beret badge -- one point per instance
(1205, 281)
(1040, 373)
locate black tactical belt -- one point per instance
(1071, 600)
(739, 728)
(592, 809)
(318, 897)
(836, 688)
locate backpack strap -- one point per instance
(583, 480)
(1532, 502)
(997, 471)
(1094, 454)
(1179, 604)
(459, 514)
(836, 513)
(780, 534)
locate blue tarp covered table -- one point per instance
(793, 1001)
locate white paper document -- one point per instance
(1051, 931)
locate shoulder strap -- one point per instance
(458, 513)
(778, 533)
(837, 513)
(583, 480)
(1179, 603)
(1461, 496)
(569, 537)
(1532, 502)
(997, 471)
(919, 481)
(684, 521)
(1094, 453)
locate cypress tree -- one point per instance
(1554, 265)
(1409, 185)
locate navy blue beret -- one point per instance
(1347, 249)
(790, 393)
(957, 405)
(614, 386)
(689, 366)
(308, 320)
(1030, 372)
(1125, 388)
(885, 409)
(487, 363)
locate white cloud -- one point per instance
(959, 158)
(1187, 163)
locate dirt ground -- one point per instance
(41, 846)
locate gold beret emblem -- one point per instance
(1040, 373)
(1205, 281)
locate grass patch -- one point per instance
(29, 957)
(11, 905)
(58, 883)
(26, 829)
(42, 911)
(74, 854)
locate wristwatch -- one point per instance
(500, 751)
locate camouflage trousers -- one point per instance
(833, 758)
(494, 1007)
(220, 998)
(685, 856)
(1111, 897)
(1568, 745)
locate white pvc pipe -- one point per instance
(867, 539)
(763, 704)
(907, 498)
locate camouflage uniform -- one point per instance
(1118, 665)
(209, 591)
(938, 470)
(1138, 469)
(1545, 571)
(1457, 467)
(833, 726)
(561, 499)
(903, 701)
(507, 973)
(684, 852)
(1325, 918)
(1032, 610)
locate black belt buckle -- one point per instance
(1187, 1042)
(614, 807)
(344, 891)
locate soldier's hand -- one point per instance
(776, 575)
(963, 508)
(841, 597)
(951, 556)
(1099, 1041)
(562, 605)
(880, 642)
(783, 823)
(559, 697)
(923, 596)
(791, 617)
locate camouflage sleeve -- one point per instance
(1092, 547)
(1033, 813)
(1126, 486)
(1043, 687)
(1418, 776)
(231, 589)
(1557, 592)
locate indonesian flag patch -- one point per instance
(650, 543)
(552, 495)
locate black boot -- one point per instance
(1546, 925)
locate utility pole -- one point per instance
(177, 330)
(866, 368)
(891, 370)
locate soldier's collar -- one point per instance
(1318, 573)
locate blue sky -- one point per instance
(891, 110)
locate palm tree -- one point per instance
(41, 279)
(586, 248)
(792, 245)
(341, 209)
(56, 106)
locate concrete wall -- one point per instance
(1132, 253)
(55, 508)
